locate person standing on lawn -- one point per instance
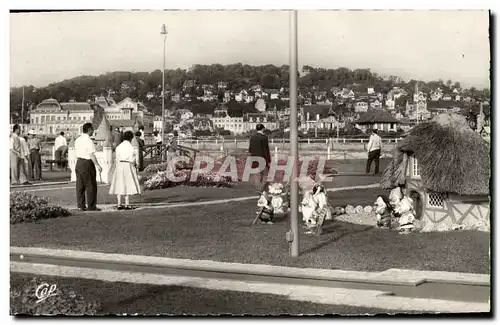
(159, 142)
(15, 154)
(259, 147)
(172, 145)
(141, 130)
(117, 138)
(373, 148)
(61, 145)
(24, 175)
(124, 181)
(140, 141)
(86, 165)
(35, 145)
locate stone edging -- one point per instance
(390, 276)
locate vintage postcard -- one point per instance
(250, 162)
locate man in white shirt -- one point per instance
(141, 129)
(15, 154)
(61, 146)
(159, 142)
(24, 174)
(86, 165)
(373, 148)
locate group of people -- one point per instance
(118, 136)
(124, 180)
(25, 158)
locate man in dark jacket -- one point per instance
(259, 147)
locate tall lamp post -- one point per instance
(294, 195)
(164, 33)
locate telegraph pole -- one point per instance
(294, 195)
(22, 111)
(164, 33)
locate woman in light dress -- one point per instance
(124, 180)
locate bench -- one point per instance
(63, 162)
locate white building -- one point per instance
(390, 104)
(361, 107)
(51, 117)
(242, 124)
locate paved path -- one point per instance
(161, 205)
(270, 280)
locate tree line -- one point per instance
(137, 85)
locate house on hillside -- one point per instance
(272, 93)
(316, 116)
(188, 85)
(380, 120)
(376, 104)
(346, 93)
(436, 95)
(443, 106)
(222, 85)
(202, 123)
(251, 120)
(176, 97)
(256, 88)
(444, 167)
(361, 107)
(390, 104)
(241, 96)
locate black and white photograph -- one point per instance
(250, 162)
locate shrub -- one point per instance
(23, 301)
(25, 207)
(154, 168)
(210, 179)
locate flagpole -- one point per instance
(22, 110)
(294, 195)
(164, 33)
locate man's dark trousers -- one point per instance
(86, 182)
(373, 155)
(36, 164)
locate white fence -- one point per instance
(287, 140)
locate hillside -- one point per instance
(137, 85)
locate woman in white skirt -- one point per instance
(124, 180)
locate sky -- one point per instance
(424, 45)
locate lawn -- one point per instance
(67, 195)
(223, 232)
(129, 298)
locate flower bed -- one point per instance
(155, 176)
(25, 207)
(163, 179)
(23, 301)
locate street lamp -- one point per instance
(164, 33)
(294, 195)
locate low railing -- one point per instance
(158, 152)
(287, 140)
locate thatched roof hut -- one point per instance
(452, 157)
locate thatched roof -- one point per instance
(452, 157)
(376, 116)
